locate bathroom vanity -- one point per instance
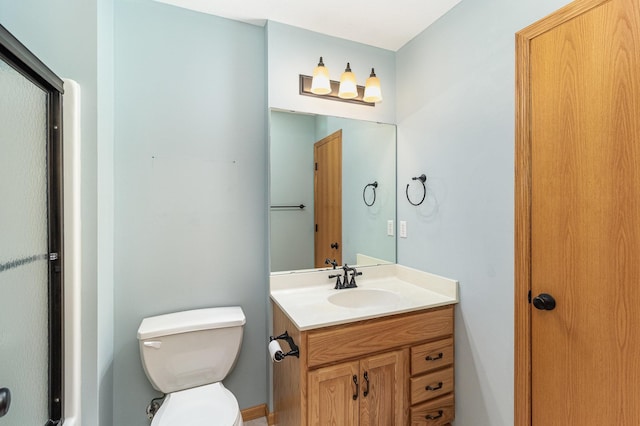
(381, 354)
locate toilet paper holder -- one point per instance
(295, 351)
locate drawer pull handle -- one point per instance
(366, 379)
(434, 388)
(355, 381)
(434, 358)
(437, 416)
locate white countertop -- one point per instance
(304, 296)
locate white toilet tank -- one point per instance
(186, 349)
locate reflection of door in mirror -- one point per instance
(327, 155)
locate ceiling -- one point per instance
(381, 23)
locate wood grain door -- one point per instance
(382, 393)
(327, 154)
(334, 395)
(578, 217)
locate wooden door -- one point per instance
(578, 216)
(334, 395)
(383, 390)
(327, 154)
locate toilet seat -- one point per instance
(207, 405)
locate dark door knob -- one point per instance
(5, 401)
(544, 302)
(335, 245)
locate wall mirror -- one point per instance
(332, 191)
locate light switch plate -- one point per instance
(403, 229)
(390, 228)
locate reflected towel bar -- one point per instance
(299, 206)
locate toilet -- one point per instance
(186, 355)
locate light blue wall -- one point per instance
(190, 187)
(67, 36)
(456, 124)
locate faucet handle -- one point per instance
(339, 284)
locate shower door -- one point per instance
(30, 243)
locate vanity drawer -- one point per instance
(431, 356)
(431, 385)
(436, 412)
(332, 344)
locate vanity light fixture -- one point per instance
(372, 91)
(348, 89)
(345, 90)
(321, 84)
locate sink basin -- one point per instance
(363, 298)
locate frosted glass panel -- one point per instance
(23, 248)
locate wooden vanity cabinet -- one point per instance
(431, 383)
(365, 392)
(404, 361)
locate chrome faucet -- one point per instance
(346, 281)
(350, 283)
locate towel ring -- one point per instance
(373, 186)
(422, 178)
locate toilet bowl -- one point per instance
(186, 355)
(207, 405)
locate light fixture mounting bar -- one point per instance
(305, 90)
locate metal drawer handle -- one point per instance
(434, 358)
(366, 379)
(434, 388)
(355, 381)
(432, 417)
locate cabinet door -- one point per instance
(383, 389)
(334, 395)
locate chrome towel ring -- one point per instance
(422, 178)
(373, 186)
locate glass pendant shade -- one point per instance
(372, 91)
(348, 89)
(320, 84)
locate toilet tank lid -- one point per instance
(187, 321)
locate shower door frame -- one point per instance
(26, 63)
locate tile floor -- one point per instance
(257, 422)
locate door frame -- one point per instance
(522, 255)
(25, 62)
